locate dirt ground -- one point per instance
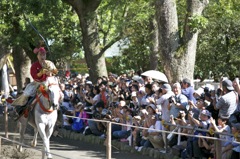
(9, 148)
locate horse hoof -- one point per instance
(49, 156)
(19, 148)
(33, 144)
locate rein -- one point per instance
(41, 105)
(45, 94)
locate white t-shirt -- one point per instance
(96, 98)
(227, 130)
(157, 126)
(163, 101)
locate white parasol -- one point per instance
(157, 75)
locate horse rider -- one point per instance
(40, 70)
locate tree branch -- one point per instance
(109, 45)
(194, 7)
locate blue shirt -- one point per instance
(188, 92)
(182, 99)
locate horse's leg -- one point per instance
(49, 134)
(48, 131)
(22, 129)
(45, 138)
(34, 141)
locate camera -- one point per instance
(171, 99)
(96, 115)
(114, 104)
(131, 105)
(159, 116)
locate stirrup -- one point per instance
(55, 107)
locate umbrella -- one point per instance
(156, 75)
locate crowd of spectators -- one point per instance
(144, 102)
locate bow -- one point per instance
(28, 20)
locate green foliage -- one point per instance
(218, 45)
(129, 19)
(197, 22)
(53, 19)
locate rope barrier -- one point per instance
(138, 127)
(164, 131)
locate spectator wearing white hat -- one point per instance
(154, 136)
(163, 101)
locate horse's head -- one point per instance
(54, 93)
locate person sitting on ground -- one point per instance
(96, 127)
(78, 123)
(125, 117)
(154, 136)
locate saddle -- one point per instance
(25, 109)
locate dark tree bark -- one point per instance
(178, 53)
(86, 11)
(21, 61)
(22, 65)
(154, 55)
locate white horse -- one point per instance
(43, 115)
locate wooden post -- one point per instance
(218, 147)
(179, 136)
(109, 139)
(0, 145)
(6, 119)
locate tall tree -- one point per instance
(154, 47)
(87, 13)
(178, 48)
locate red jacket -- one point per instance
(35, 69)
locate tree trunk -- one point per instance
(95, 59)
(22, 65)
(154, 54)
(178, 53)
(21, 61)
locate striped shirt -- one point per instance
(227, 104)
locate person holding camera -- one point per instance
(227, 103)
(203, 123)
(97, 128)
(177, 102)
(149, 97)
(163, 102)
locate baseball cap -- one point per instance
(152, 106)
(228, 84)
(186, 80)
(206, 112)
(166, 86)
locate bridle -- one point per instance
(45, 94)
